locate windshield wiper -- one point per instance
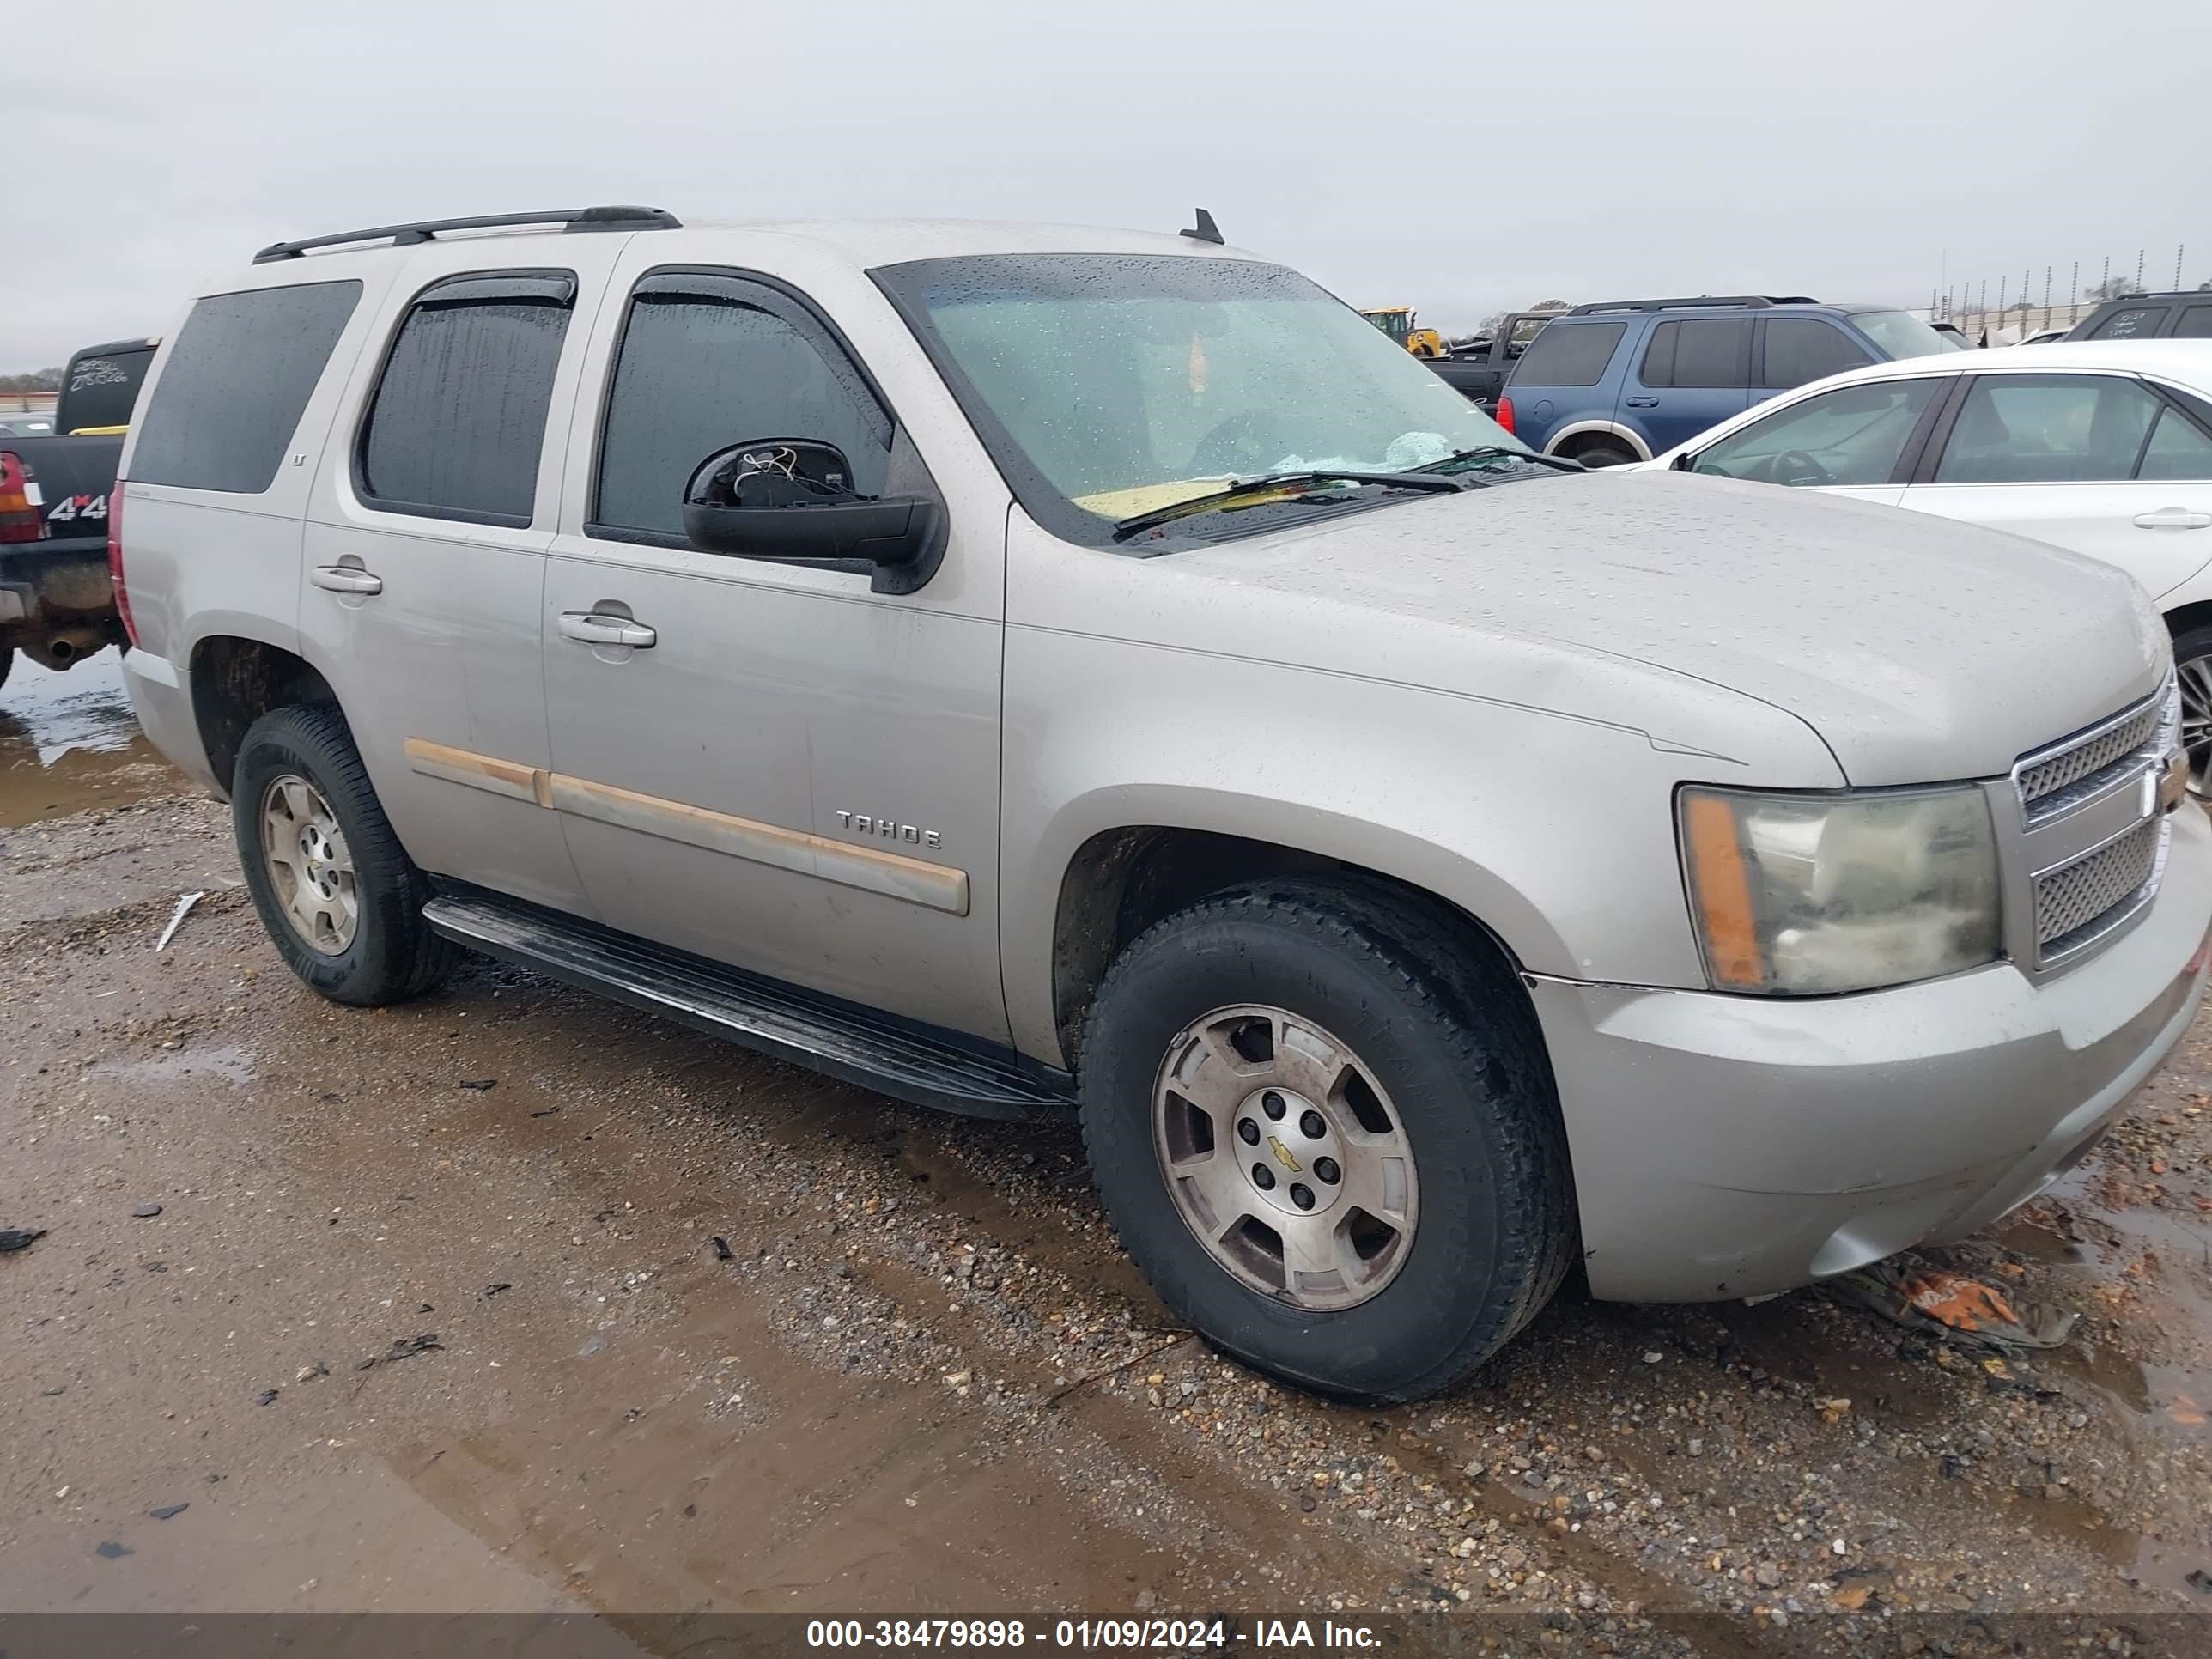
(1425, 480)
(1504, 452)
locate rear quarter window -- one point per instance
(1568, 354)
(2195, 323)
(237, 378)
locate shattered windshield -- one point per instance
(1110, 385)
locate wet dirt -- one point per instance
(68, 743)
(924, 1380)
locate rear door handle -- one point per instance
(590, 628)
(1642, 403)
(2173, 518)
(345, 579)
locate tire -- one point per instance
(389, 953)
(1597, 455)
(2192, 666)
(1456, 1062)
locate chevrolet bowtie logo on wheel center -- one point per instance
(1284, 1155)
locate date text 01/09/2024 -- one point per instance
(1124, 1635)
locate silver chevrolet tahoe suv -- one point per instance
(1038, 671)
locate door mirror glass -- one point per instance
(792, 498)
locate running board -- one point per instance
(858, 1045)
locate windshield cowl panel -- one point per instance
(1110, 386)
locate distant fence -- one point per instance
(34, 403)
(2054, 295)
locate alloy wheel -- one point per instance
(1285, 1157)
(310, 867)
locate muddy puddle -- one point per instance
(70, 744)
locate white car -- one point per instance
(2101, 447)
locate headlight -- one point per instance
(1804, 895)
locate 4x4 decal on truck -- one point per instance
(77, 507)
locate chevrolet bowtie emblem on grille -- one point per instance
(1283, 1155)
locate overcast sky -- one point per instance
(1457, 157)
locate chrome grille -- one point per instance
(2076, 902)
(2079, 759)
(2093, 833)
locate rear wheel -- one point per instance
(340, 898)
(1330, 1143)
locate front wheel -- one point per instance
(1597, 455)
(2192, 669)
(1330, 1144)
(341, 899)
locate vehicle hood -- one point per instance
(1918, 649)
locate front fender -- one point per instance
(1554, 831)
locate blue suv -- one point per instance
(1623, 380)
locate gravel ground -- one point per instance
(513, 1299)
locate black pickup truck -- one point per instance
(1478, 370)
(57, 605)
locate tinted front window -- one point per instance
(2047, 428)
(1568, 354)
(237, 378)
(1802, 349)
(2195, 323)
(2179, 450)
(458, 421)
(710, 365)
(1852, 435)
(1702, 352)
(2134, 323)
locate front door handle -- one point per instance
(592, 628)
(345, 579)
(1642, 403)
(2173, 518)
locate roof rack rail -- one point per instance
(1685, 301)
(423, 230)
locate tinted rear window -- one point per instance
(1568, 354)
(100, 391)
(457, 420)
(2195, 323)
(238, 376)
(1701, 352)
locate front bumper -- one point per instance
(1732, 1145)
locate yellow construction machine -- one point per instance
(1397, 322)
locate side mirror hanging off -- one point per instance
(793, 500)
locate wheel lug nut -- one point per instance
(1302, 1195)
(1248, 1131)
(1312, 1126)
(1326, 1169)
(1263, 1177)
(1272, 1104)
